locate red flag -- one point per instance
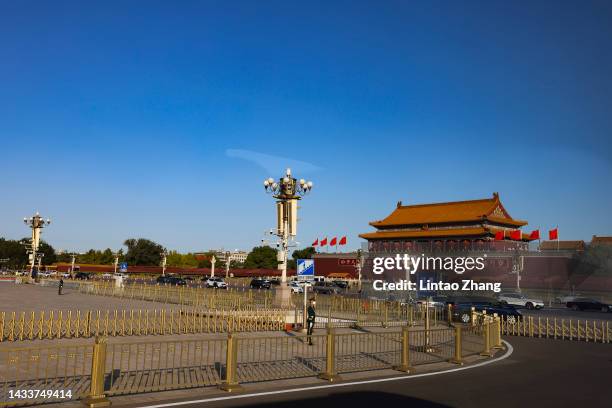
(553, 234)
(324, 241)
(516, 235)
(535, 234)
(499, 236)
(333, 241)
(342, 241)
(314, 244)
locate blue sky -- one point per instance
(122, 119)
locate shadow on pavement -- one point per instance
(362, 399)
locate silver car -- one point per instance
(519, 300)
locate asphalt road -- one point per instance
(561, 312)
(540, 373)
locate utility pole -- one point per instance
(212, 264)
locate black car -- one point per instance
(462, 307)
(341, 284)
(82, 276)
(325, 288)
(588, 304)
(171, 280)
(260, 284)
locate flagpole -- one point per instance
(557, 228)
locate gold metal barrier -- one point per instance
(597, 331)
(84, 324)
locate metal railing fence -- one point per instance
(83, 324)
(597, 331)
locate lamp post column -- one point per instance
(36, 223)
(228, 259)
(212, 266)
(72, 264)
(287, 191)
(164, 260)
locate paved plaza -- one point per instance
(35, 297)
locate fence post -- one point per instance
(458, 358)
(330, 373)
(449, 314)
(386, 321)
(231, 366)
(486, 352)
(405, 363)
(96, 397)
(497, 343)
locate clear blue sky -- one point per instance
(121, 119)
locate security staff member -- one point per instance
(61, 285)
(310, 321)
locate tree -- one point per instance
(49, 253)
(305, 253)
(14, 252)
(142, 251)
(261, 257)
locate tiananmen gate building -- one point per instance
(449, 226)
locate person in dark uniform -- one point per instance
(310, 321)
(61, 286)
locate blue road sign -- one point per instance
(123, 267)
(305, 269)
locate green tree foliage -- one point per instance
(142, 251)
(14, 252)
(95, 257)
(181, 260)
(49, 253)
(261, 257)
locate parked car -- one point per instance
(567, 298)
(275, 282)
(44, 274)
(65, 275)
(260, 284)
(296, 287)
(171, 280)
(82, 276)
(461, 308)
(216, 282)
(107, 275)
(325, 288)
(341, 284)
(589, 304)
(517, 299)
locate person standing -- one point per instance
(61, 286)
(310, 321)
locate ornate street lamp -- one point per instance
(287, 191)
(36, 223)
